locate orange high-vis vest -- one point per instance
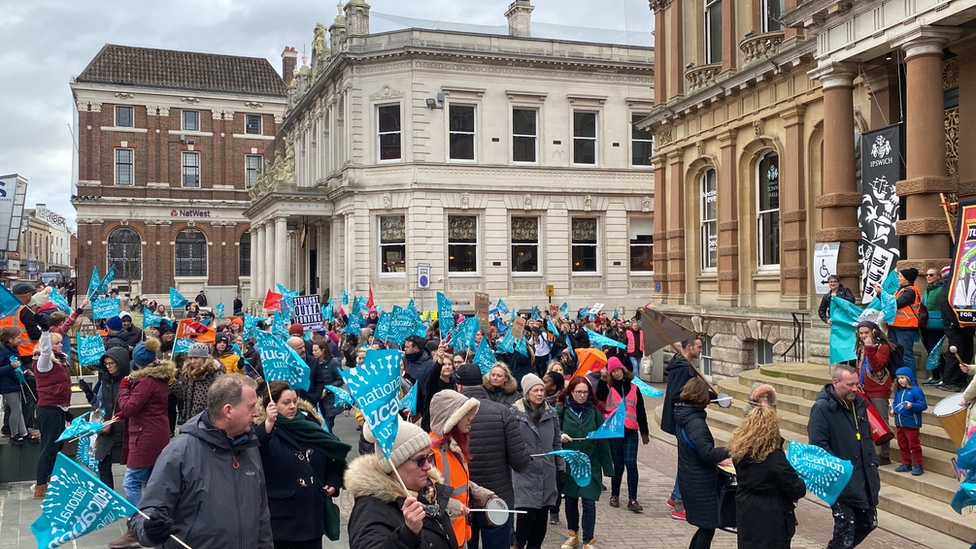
(907, 316)
(26, 346)
(455, 475)
(630, 414)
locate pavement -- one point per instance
(615, 527)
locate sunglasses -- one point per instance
(428, 459)
(932, 274)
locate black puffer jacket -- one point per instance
(832, 426)
(112, 442)
(679, 372)
(496, 448)
(698, 478)
(764, 501)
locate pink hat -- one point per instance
(613, 363)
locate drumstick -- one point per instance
(509, 511)
(955, 350)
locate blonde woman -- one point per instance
(501, 385)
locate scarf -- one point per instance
(428, 500)
(310, 433)
(577, 408)
(535, 412)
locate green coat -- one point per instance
(597, 450)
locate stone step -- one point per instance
(932, 513)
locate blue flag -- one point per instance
(90, 349)
(59, 301)
(935, 356)
(564, 308)
(646, 389)
(80, 428)
(345, 297)
(552, 327)
(279, 325)
(20, 376)
(843, 319)
(109, 277)
(341, 394)
(613, 427)
(354, 327)
(825, 475)
(535, 312)
(220, 310)
(484, 358)
(93, 283)
(288, 296)
(376, 388)
(76, 503)
(445, 314)
(579, 465)
(106, 307)
(149, 319)
(569, 345)
(409, 401)
(182, 345)
(250, 326)
(506, 344)
(502, 308)
(383, 324)
(86, 453)
(327, 311)
(403, 324)
(282, 363)
(500, 325)
(598, 340)
(176, 299)
(9, 304)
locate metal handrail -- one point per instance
(799, 338)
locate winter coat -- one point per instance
(535, 488)
(143, 405)
(764, 501)
(376, 521)
(434, 385)
(111, 443)
(316, 380)
(331, 378)
(835, 428)
(192, 389)
(598, 450)
(213, 490)
(698, 476)
(520, 365)
(8, 379)
(930, 300)
(233, 364)
(908, 417)
(679, 371)
(296, 500)
(622, 388)
(824, 310)
(496, 446)
(876, 359)
(506, 395)
(418, 369)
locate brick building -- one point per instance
(169, 142)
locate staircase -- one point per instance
(923, 500)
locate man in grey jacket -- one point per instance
(207, 487)
(497, 449)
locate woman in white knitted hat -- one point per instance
(386, 515)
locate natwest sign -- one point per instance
(190, 213)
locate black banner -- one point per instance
(882, 165)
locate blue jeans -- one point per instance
(675, 494)
(134, 481)
(634, 365)
(906, 338)
(573, 517)
(492, 537)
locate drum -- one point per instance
(952, 415)
(723, 400)
(496, 511)
(880, 430)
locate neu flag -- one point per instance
(579, 465)
(484, 358)
(76, 504)
(598, 340)
(250, 325)
(90, 349)
(409, 400)
(282, 363)
(445, 314)
(9, 304)
(502, 308)
(825, 475)
(613, 427)
(86, 452)
(80, 428)
(106, 307)
(176, 299)
(341, 394)
(646, 389)
(376, 388)
(149, 319)
(59, 301)
(279, 325)
(93, 283)
(288, 296)
(109, 277)
(220, 310)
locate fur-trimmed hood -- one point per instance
(163, 369)
(365, 478)
(303, 406)
(510, 385)
(210, 366)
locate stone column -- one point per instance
(728, 222)
(676, 228)
(257, 260)
(840, 199)
(675, 53)
(660, 61)
(730, 42)
(281, 251)
(925, 226)
(322, 241)
(793, 211)
(660, 227)
(269, 258)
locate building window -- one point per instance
(123, 166)
(393, 247)
(244, 256)
(191, 253)
(191, 169)
(772, 10)
(584, 245)
(252, 124)
(767, 178)
(125, 253)
(191, 121)
(709, 221)
(705, 359)
(388, 132)
(462, 132)
(254, 163)
(525, 244)
(641, 142)
(713, 31)
(764, 352)
(462, 244)
(525, 131)
(124, 117)
(584, 138)
(642, 245)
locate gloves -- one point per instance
(86, 388)
(126, 383)
(158, 528)
(646, 438)
(43, 322)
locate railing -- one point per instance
(760, 46)
(798, 347)
(699, 77)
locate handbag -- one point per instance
(726, 502)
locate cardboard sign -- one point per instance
(553, 310)
(308, 311)
(481, 302)
(518, 328)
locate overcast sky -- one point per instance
(47, 42)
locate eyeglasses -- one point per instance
(581, 393)
(930, 274)
(428, 459)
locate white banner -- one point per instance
(824, 264)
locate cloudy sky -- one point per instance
(47, 42)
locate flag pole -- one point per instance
(173, 536)
(675, 347)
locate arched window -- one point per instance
(709, 220)
(767, 194)
(191, 253)
(244, 255)
(125, 253)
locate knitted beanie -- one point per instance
(469, 375)
(145, 353)
(613, 363)
(410, 439)
(910, 275)
(201, 350)
(529, 381)
(447, 407)
(41, 298)
(114, 323)
(296, 329)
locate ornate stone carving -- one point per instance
(588, 203)
(664, 137)
(190, 100)
(469, 286)
(279, 118)
(526, 285)
(587, 285)
(527, 202)
(465, 200)
(642, 284)
(89, 106)
(757, 128)
(387, 201)
(386, 92)
(646, 204)
(222, 115)
(281, 171)
(124, 95)
(253, 105)
(659, 5)
(157, 110)
(700, 148)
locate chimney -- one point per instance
(289, 60)
(519, 16)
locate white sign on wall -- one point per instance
(824, 264)
(13, 191)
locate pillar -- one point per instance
(675, 53)
(794, 270)
(728, 222)
(281, 251)
(840, 199)
(676, 229)
(661, 62)
(660, 227)
(322, 256)
(270, 239)
(730, 42)
(257, 260)
(967, 115)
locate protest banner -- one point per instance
(90, 349)
(106, 307)
(481, 306)
(281, 363)
(308, 312)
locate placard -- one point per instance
(553, 310)
(518, 328)
(481, 303)
(308, 311)
(881, 168)
(962, 283)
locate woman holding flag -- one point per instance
(616, 389)
(10, 385)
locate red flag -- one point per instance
(369, 302)
(194, 331)
(271, 302)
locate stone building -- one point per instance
(169, 143)
(759, 107)
(506, 163)
(45, 244)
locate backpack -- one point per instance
(922, 313)
(896, 357)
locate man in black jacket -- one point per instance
(497, 449)
(679, 371)
(953, 380)
(839, 424)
